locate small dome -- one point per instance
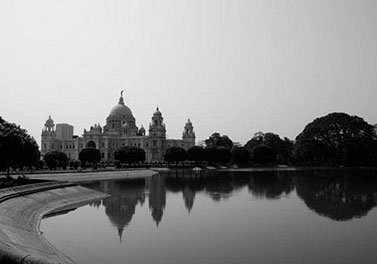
(157, 113)
(142, 129)
(49, 122)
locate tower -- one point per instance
(48, 136)
(156, 139)
(188, 135)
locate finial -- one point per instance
(121, 101)
(120, 232)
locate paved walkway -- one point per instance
(21, 210)
(23, 207)
(93, 176)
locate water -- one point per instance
(312, 216)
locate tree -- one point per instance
(222, 155)
(89, 155)
(197, 154)
(338, 139)
(281, 149)
(240, 155)
(263, 155)
(175, 154)
(210, 154)
(55, 159)
(215, 155)
(216, 140)
(17, 147)
(130, 154)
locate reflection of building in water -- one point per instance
(120, 206)
(188, 197)
(157, 196)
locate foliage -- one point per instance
(216, 140)
(210, 154)
(17, 147)
(197, 154)
(215, 155)
(222, 155)
(263, 155)
(240, 155)
(280, 150)
(130, 154)
(338, 139)
(89, 155)
(55, 159)
(117, 164)
(175, 154)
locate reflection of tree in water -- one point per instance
(222, 185)
(187, 182)
(271, 184)
(338, 194)
(217, 185)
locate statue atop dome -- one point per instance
(121, 101)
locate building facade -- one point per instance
(120, 131)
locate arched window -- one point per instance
(91, 144)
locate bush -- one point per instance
(197, 154)
(89, 156)
(175, 154)
(130, 155)
(117, 164)
(55, 159)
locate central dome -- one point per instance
(120, 110)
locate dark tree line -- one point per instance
(334, 139)
(17, 148)
(130, 155)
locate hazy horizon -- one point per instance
(233, 67)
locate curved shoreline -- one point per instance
(23, 207)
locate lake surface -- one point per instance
(306, 216)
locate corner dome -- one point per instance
(157, 113)
(189, 123)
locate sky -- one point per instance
(234, 67)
